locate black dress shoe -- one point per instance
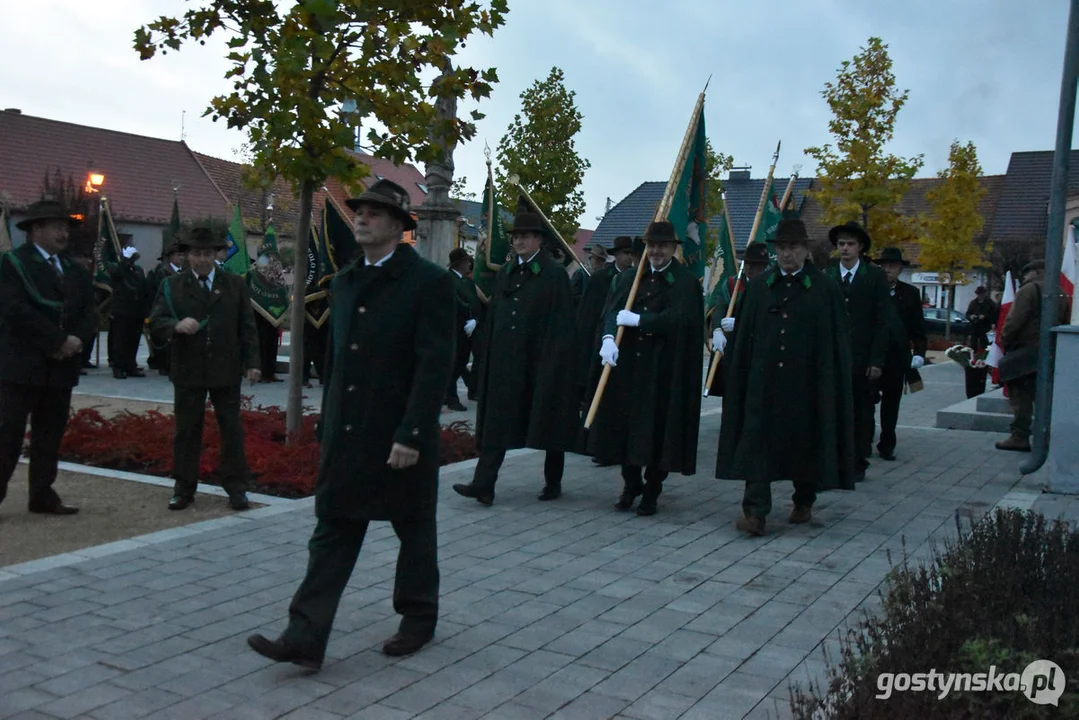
(89, 366)
(239, 501)
(484, 498)
(472, 395)
(888, 455)
(283, 652)
(647, 507)
(456, 405)
(119, 374)
(179, 502)
(406, 643)
(550, 492)
(626, 500)
(602, 463)
(137, 372)
(859, 476)
(56, 508)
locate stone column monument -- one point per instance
(438, 216)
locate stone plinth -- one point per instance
(1063, 461)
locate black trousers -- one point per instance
(267, 335)
(314, 350)
(88, 349)
(865, 420)
(189, 408)
(650, 487)
(490, 461)
(460, 366)
(125, 346)
(334, 547)
(891, 393)
(757, 497)
(47, 410)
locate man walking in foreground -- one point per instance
(391, 348)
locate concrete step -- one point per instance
(994, 402)
(967, 416)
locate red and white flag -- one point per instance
(996, 352)
(1067, 266)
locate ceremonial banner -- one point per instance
(237, 262)
(766, 232)
(687, 209)
(339, 247)
(724, 266)
(169, 233)
(266, 281)
(316, 301)
(106, 251)
(494, 243)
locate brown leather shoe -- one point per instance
(279, 651)
(801, 514)
(1015, 443)
(468, 491)
(751, 524)
(406, 643)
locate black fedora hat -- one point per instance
(457, 255)
(201, 238)
(526, 222)
(389, 195)
(622, 243)
(756, 254)
(892, 254)
(638, 246)
(46, 209)
(660, 231)
(791, 231)
(854, 230)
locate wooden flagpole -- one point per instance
(717, 355)
(661, 214)
(514, 180)
(490, 213)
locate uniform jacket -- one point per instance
(130, 293)
(651, 409)
(906, 327)
(389, 358)
(527, 362)
(1022, 327)
(226, 344)
(39, 308)
(788, 411)
(589, 324)
(868, 307)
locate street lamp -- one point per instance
(94, 181)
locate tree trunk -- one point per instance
(294, 409)
(948, 312)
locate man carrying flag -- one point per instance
(270, 299)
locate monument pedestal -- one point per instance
(437, 226)
(1063, 461)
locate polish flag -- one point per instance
(1067, 266)
(996, 352)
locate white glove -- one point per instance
(608, 352)
(628, 319)
(917, 362)
(470, 327)
(727, 324)
(719, 340)
(129, 251)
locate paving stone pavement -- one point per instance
(565, 610)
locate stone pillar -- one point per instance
(1063, 462)
(438, 216)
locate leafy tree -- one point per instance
(459, 189)
(715, 164)
(75, 200)
(295, 65)
(538, 148)
(858, 180)
(948, 244)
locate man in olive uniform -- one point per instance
(391, 350)
(650, 413)
(907, 344)
(787, 406)
(526, 373)
(469, 313)
(171, 263)
(205, 315)
(46, 306)
(755, 260)
(130, 304)
(865, 289)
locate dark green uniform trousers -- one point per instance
(190, 410)
(334, 547)
(757, 499)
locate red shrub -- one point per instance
(143, 443)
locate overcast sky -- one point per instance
(981, 70)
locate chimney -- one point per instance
(738, 174)
(13, 111)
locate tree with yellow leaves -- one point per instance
(947, 245)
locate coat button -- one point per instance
(783, 331)
(348, 428)
(513, 327)
(782, 347)
(415, 432)
(361, 309)
(513, 313)
(351, 388)
(784, 316)
(781, 364)
(354, 346)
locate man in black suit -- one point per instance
(906, 346)
(129, 309)
(46, 306)
(469, 313)
(868, 304)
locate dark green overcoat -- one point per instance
(526, 378)
(389, 357)
(225, 345)
(869, 307)
(589, 323)
(788, 409)
(650, 413)
(130, 292)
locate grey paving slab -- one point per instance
(565, 609)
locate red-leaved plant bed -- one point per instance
(142, 443)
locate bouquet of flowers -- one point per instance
(966, 356)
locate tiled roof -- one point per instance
(1023, 207)
(632, 215)
(139, 171)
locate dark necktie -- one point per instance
(54, 262)
(204, 280)
(846, 280)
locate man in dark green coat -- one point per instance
(787, 402)
(526, 373)
(469, 314)
(650, 413)
(205, 315)
(130, 304)
(390, 353)
(171, 263)
(865, 290)
(46, 308)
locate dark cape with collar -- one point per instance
(650, 413)
(389, 357)
(589, 325)
(788, 407)
(527, 363)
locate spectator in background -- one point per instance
(982, 314)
